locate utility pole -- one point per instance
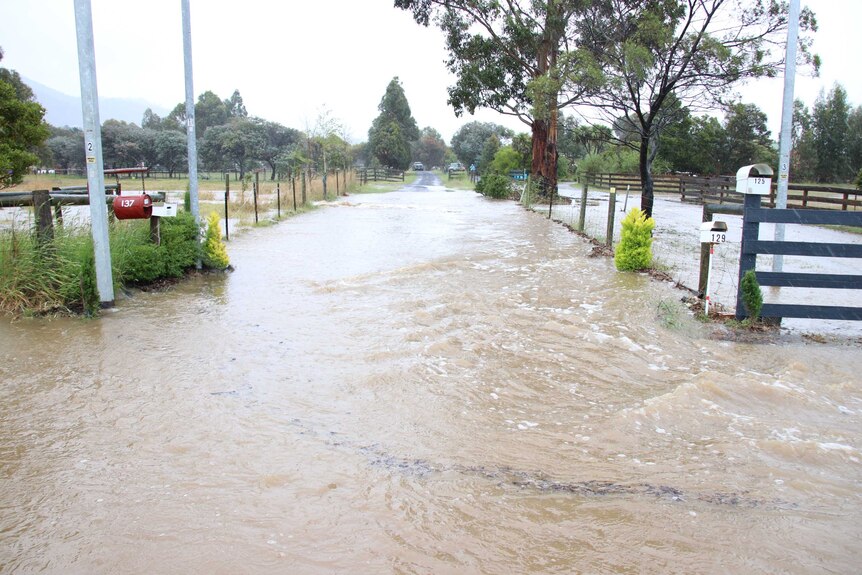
(786, 138)
(190, 115)
(93, 151)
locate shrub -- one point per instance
(214, 250)
(505, 160)
(180, 243)
(145, 263)
(495, 186)
(634, 252)
(752, 296)
(859, 180)
(89, 286)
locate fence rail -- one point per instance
(722, 190)
(754, 214)
(379, 175)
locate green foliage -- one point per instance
(430, 149)
(752, 296)
(22, 130)
(180, 243)
(634, 252)
(39, 279)
(747, 139)
(27, 280)
(214, 250)
(470, 139)
(613, 161)
(145, 263)
(859, 180)
(394, 129)
(489, 150)
(496, 186)
(506, 160)
(390, 146)
(89, 286)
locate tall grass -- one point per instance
(59, 277)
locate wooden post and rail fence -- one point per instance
(753, 215)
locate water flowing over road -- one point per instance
(424, 381)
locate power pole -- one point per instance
(786, 139)
(190, 115)
(93, 151)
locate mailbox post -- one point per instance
(753, 182)
(711, 233)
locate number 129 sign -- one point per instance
(717, 237)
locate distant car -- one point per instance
(418, 166)
(455, 167)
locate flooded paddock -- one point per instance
(424, 381)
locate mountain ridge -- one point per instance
(63, 110)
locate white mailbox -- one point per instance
(713, 232)
(754, 179)
(165, 210)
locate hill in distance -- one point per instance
(65, 110)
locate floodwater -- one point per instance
(424, 381)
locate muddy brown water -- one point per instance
(422, 382)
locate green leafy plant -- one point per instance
(634, 252)
(144, 264)
(180, 243)
(89, 286)
(214, 250)
(752, 296)
(494, 186)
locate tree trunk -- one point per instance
(272, 165)
(645, 165)
(544, 156)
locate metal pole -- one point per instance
(93, 151)
(190, 115)
(786, 124)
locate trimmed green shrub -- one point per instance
(495, 186)
(180, 243)
(634, 252)
(144, 264)
(752, 296)
(214, 250)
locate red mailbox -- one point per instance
(133, 207)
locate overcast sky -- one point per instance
(291, 59)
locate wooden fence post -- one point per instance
(156, 230)
(582, 218)
(747, 261)
(612, 208)
(705, 257)
(44, 218)
(226, 201)
(278, 198)
(256, 182)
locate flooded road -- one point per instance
(424, 381)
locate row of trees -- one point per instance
(639, 60)
(827, 140)
(228, 140)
